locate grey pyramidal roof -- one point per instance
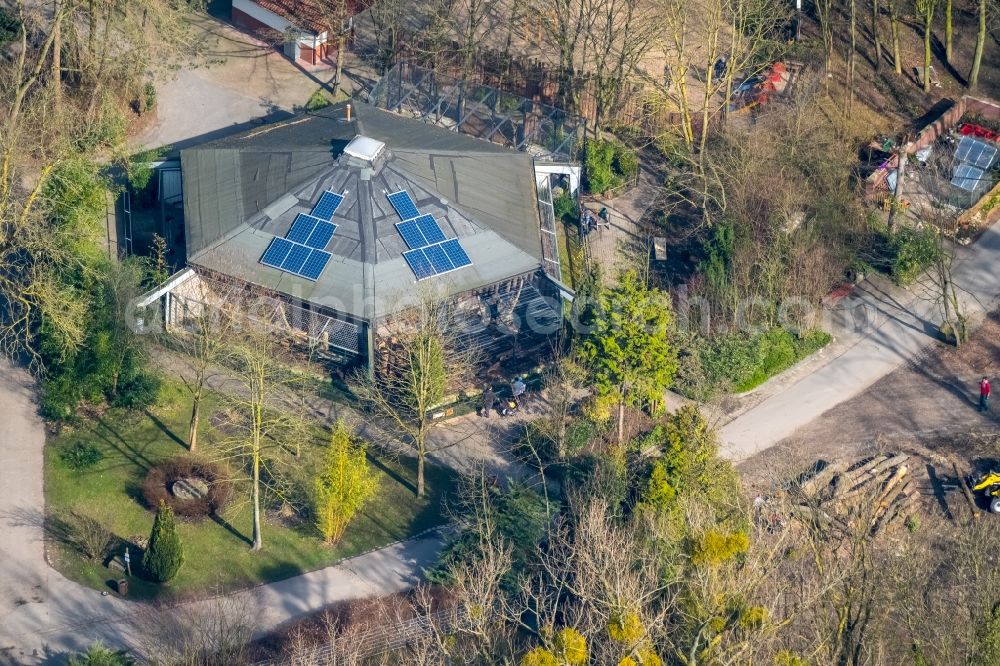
(241, 191)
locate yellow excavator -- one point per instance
(989, 486)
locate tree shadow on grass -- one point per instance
(393, 474)
(128, 450)
(166, 430)
(226, 525)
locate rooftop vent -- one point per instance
(364, 148)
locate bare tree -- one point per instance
(421, 362)
(387, 20)
(925, 12)
(566, 23)
(206, 329)
(620, 35)
(261, 408)
(977, 58)
(897, 62)
(877, 43)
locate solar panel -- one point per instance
(276, 252)
(976, 152)
(315, 264)
(403, 204)
(301, 228)
(327, 205)
(456, 253)
(321, 235)
(439, 260)
(430, 229)
(419, 264)
(968, 177)
(411, 234)
(296, 257)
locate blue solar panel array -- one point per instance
(405, 208)
(296, 258)
(420, 232)
(436, 259)
(431, 252)
(301, 251)
(311, 231)
(327, 205)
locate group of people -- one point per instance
(503, 406)
(589, 223)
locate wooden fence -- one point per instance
(379, 639)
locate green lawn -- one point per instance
(571, 254)
(217, 552)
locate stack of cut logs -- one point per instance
(875, 492)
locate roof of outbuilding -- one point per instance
(312, 15)
(242, 191)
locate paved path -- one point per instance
(896, 327)
(621, 244)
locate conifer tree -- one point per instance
(164, 553)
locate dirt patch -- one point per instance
(930, 403)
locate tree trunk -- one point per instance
(947, 31)
(894, 29)
(341, 43)
(258, 541)
(852, 56)
(56, 57)
(878, 44)
(193, 427)
(898, 194)
(621, 422)
(421, 452)
(977, 59)
(928, 21)
(92, 31)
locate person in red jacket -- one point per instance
(984, 395)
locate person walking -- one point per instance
(984, 394)
(488, 399)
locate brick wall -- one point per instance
(249, 23)
(306, 54)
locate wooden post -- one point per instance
(898, 194)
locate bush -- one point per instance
(60, 397)
(107, 130)
(148, 97)
(913, 251)
(343, 484)
(10, 26)
(745, 361)
(84, 534)
(160, 479)
(81, 456)
(598, 174)
(164, 555)
(137, 392)
(626, 162)
(579, 433)
(607, 165)
(566, 208)
(98, 655)
(317, 101)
